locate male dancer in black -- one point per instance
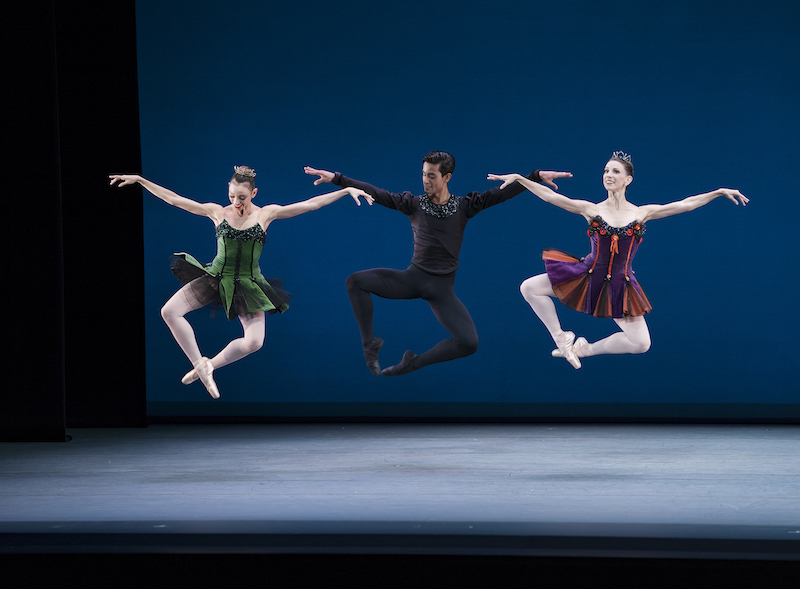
(438, 220)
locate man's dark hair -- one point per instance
(447, 163)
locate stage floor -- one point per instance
(651, 491)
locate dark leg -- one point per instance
(386, 283)
(455, 318)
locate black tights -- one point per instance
(413, 283)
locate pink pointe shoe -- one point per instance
(190, 376)
(566, 349)
(577, 346)
(204, 371)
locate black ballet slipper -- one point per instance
(371, 351)
(403, 368)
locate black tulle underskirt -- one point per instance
(205, 289)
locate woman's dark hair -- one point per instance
(244, 175)
(447, 163)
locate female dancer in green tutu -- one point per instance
(233, 279)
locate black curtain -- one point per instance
(74, 332)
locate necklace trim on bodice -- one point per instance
(598, 225)
(439, 211)
(254, 233)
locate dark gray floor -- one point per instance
(675, 491)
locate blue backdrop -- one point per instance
(701, 94)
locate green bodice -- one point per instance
(238, 252)
(236, 266)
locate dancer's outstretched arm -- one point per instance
(212, 210)
(398, 201)
(690, 203)
(272, 212)
(580, 207)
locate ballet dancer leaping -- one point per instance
(603, 283)
(233, 279)
(438, 220)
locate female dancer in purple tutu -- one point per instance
(233, 280)
(603, 283)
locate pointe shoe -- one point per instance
(205, 372)
(190, 377)
(577, 346)
(566, 347)
(403, 368)
(371, 351)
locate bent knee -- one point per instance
(167, 314)
(468, 347)
(251, 346)
(640, 347)
(532, 287)
(352, 281)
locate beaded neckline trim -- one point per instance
(440, 211)
(598, 225)
(254, 233)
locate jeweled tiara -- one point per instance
(244, 171)
(621, 155)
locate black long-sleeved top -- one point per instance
(437, 239)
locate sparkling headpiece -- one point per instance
(244, 171)
(621, 155)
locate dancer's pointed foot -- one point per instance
(578, 347)
(403, 368)
(190, 377)
(371, 351)
(565, 343)
(205, 372)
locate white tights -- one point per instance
(633, 339)
(184, 301)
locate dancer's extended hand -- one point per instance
(506, 179)
(548, 177)
(733, 194)
(355, 193)
(324, 175)
(123, 179)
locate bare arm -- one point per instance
(580, 207)
(272, 212)
(690, 203)
(211, 210)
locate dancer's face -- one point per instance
(432, 180)
(240, 196)
(615, 177)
